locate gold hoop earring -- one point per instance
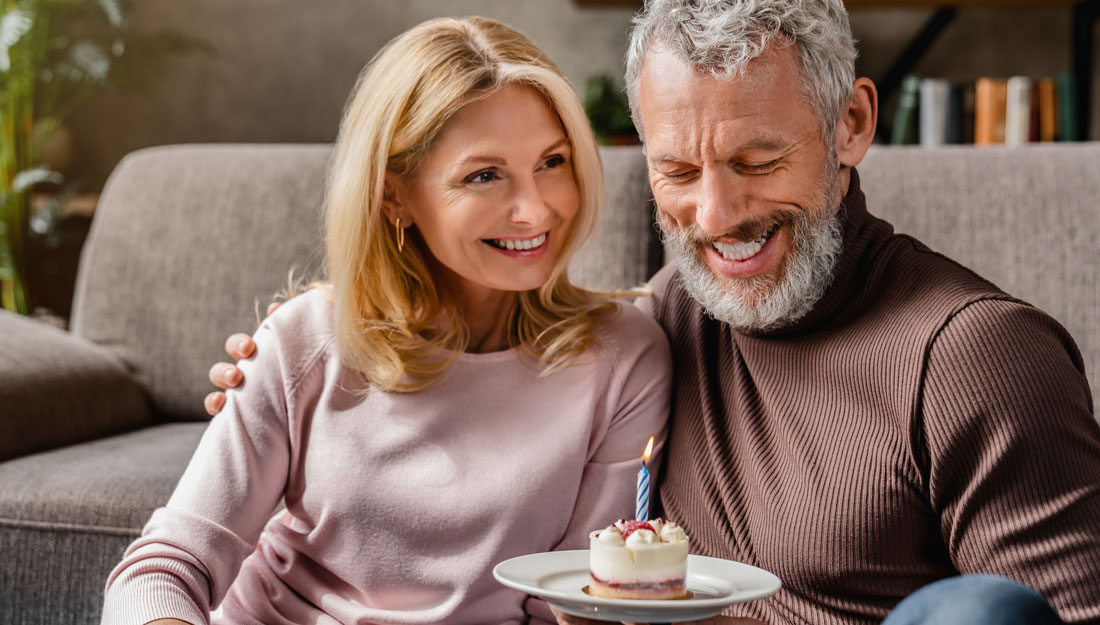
(400, 236)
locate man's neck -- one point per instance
(844, 182)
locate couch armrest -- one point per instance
(57, 389)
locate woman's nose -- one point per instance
(528, 203)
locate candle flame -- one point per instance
(648, 450)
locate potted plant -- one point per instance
(55, 54)
(608, 111)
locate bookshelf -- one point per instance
(1086, 13)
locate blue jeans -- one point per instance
(974, 600)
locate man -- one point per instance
(852, 411)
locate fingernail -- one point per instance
(231, 376)
(242, 345)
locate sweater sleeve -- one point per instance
(637, 407)
(1014, 453)
(190, 551)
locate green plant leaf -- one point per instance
(15, 23)
(113, 10)
(91, 60)
(27, 178)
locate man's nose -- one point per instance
(722, 202)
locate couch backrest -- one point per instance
(189, 242)
(1027, 219)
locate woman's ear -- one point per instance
(393, 200)
(856, 130)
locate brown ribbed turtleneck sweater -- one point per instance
(916, 424)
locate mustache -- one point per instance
(748, 230)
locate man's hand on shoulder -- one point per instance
(226, 375)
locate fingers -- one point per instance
(569, 619)
(225, 375)
(214, 402)
(272, 307)
(239, 346)
(565, 619)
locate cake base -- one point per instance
(671, 589)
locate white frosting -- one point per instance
(641, 537)
(610, 536)
(644, 556)
(672, 533)
(657, 524)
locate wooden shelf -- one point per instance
(899, 4)
(1086, 13)
(870, 4)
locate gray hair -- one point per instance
(721, 36)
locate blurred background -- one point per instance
(280, 70)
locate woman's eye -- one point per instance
(482, 177)
(556, 160)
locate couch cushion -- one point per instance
(185, 242)
(67, 515)
(47, 376)
(1027, 219)
(626, 250)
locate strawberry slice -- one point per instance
(631, 526)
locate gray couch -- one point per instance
(97, 424)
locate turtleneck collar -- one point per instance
(863, 236)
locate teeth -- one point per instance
(742, 249)
(519, 244)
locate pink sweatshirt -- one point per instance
(397, 505)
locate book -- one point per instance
(1067, 107)
(905, 116)
(934, 101)
(1033, 113)
(968, 106)
(1017, 110)
(956, 114)
(990, 96)
(1048, 110)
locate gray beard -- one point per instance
(762, 303)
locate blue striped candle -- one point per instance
(641, 503)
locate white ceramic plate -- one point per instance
(560, 577)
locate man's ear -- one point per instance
(393, 200)
(856, 130)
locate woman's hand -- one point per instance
(569, 619)
(226, 375)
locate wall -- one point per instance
(282, 71)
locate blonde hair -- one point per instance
(392, 323)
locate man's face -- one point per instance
(746, 188)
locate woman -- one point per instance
(449, 400)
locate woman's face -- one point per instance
(494, 197)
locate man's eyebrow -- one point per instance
(768, 145)
(664, 158)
